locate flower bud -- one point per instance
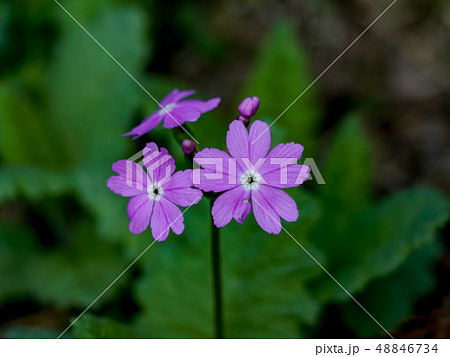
(188, 146)
(243, 119)
(249, 106)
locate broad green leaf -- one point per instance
(91, 97)
(31, 182)
(382, 237)
(77, 273)
(391, 299)
(70, 275)
(264, 276)
(26, 134)
(90, 326)
(280, 74)
(347, 173)
(348, 167)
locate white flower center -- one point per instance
(167, 108)
(250, 180)
(155, 191)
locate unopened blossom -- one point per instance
(174, 112)
(155, 192)
(188, 146)
(247, 109)
(251, 176)
(249, 106)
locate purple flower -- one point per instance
(251, 176)
(175, 112)
(249, 106)
(155, 194)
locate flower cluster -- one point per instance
(250, 176)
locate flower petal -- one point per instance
(166, 216)
(178, 189)
(139, 211)
(265, 215)
(243, 208)
(283, 204)
(132, 179)
(259, 139)
(287, 176)
(292, 152)
(180, 114)
(135, 203)
(147, 125)
(227, 206)
(219, 171)
(201, 105)
(175, 96)
(237, 140)
(160, 165)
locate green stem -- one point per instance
(217, 279)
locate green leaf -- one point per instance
(347, 172)
(90, 326)
(264, 280)
(31, 182)
(72, 275)
(26, 134)
(391, 299)
(91, 97)
(382, 237)
(348, 167)
(280, 74)
(75, 274)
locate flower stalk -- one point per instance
(216, 279)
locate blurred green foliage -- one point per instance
(63, 109)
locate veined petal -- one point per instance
(219, 171)
(175, 96)
(139, 211)
(147, 125)
(243, 207)
(259, 140)
(180, 179)
(265, 215)
(201, 105)
(166, 216)
(132, 179)
(287, 176)
(184, 196)
(237, 140)
(180, 114)
(290, 152)
(160, 165)
(178, 189)
(227, 205)
(283, 204)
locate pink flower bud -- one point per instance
(249, 106)
(188, 146)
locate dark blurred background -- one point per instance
(376, 124)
